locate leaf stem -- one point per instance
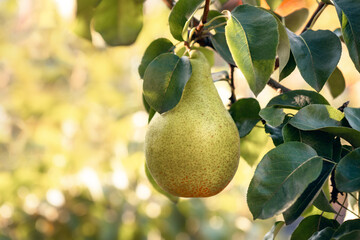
(214, 19)
(321, 7)
(347, 209)
(354, 196)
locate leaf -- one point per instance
(245, 113)
(348, 13)
(281, 177)
(84, 12)
(252, 37)
(252, 145)
(119, 21)
(353, 117)
(274, 230)
(273, 116)
(164, 80)
(310, 49)
(179, 15)
(347, 174)
(327, 119)
(288, 68)
(308, 226)
(152, 113)
(283, 48)
(296, 19)
(276, 132)
(346, 228)
(297, 99)
(336, 83)
(172, 198)
(156, 47)
(324, 234)
(322, 203)
(273, 4)
(351, 235)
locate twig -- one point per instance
(346, 208)
(277, 86)
(204, 16)
(342, 107)
(315, 16)
(341, 206)
(232, 84)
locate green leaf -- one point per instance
(322, 203)
(336, 83)
(152, 113)
(172, 198)
(324, 234)
(296, 19)
(119, 21)
(276, 132)
(308, 226)
(353, 117)
(310, 49)
(346, 228)
(327, 119)
(245, 113)
(273, 116)
(164, 80)
(288, 68)
(297, 99)
(84, 12)
(274, 230)
(252, 145)
(348, 13)
(179, 15)
(283, 48)
(347, 174)
(156, 47)
(273, 4)
(351, 235)
(280, 178)
(252, 37)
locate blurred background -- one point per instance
(72, 129)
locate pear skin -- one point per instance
(193, 150)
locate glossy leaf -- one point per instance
(308, 226)
(322, 203)
(297, 99)
(348, 13)
(172, 198)
(280, 178)
(179, 15)
(276, 132)
(324, 234)
(351, 235)
(353, 117)
(164, 80)
(288, 68)
(274, 230)
(296, 19)
(252, 37)
(336, 83)
(327, 119)
(156, 47)
(245, 113)
(84, 12)
(273, 116)
(273, 4)
(309, 50)
(119, 21)
(347, 175)
(346, 228)
(251, 145)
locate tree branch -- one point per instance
(315, 16)
(277, 86)
(232, 85)
(204, 16)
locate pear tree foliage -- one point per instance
(315, 144)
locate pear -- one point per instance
(193, 150)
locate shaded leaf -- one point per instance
(297, 99)
(288, 68)
(245, 113)
(308, 226)
(164, 80)
(324, 234)
(310, 49)
(276, 132)
(119, 21)
(84, 12)
(322, 203)
(273, 4)
(273, 116)
(347, 174)
(296, 19)
(152, 113)
(252, 145)
(351, 235)
(353, 117)
(158, 188)
(281, 177)
(283, 49)
(252, 37)
(156, 47)
(336, 83)
(346, 228)
(274, 230)
(179, 15)
(348, 13)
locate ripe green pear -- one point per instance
(193, 150)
